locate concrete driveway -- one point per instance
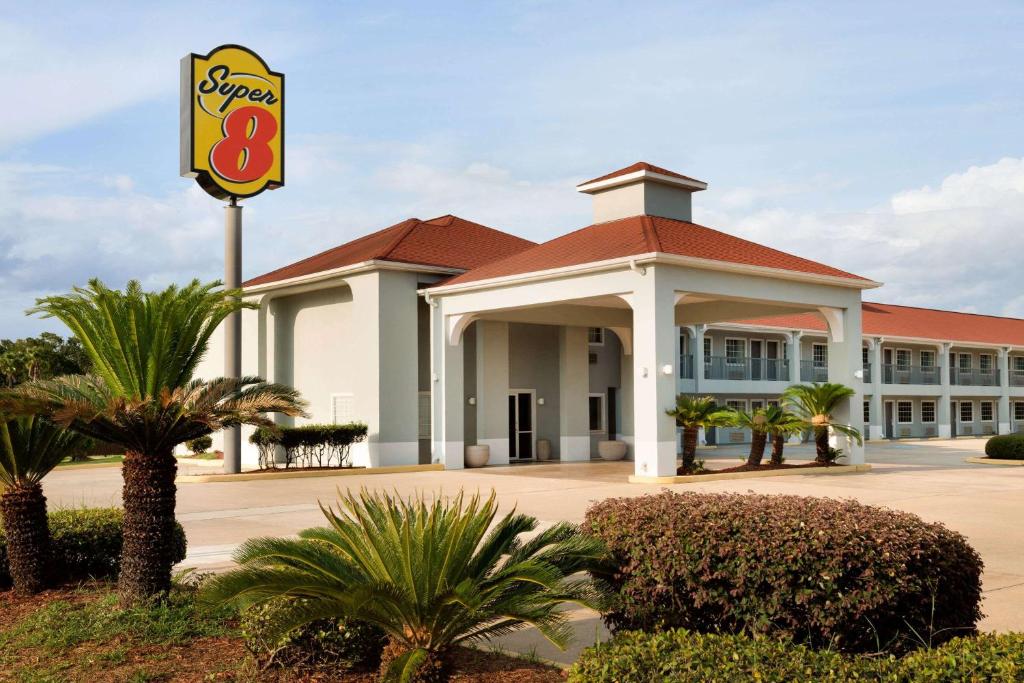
(930, 479)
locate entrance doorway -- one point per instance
(954, 417)
(771, 355)
(889, 430)
(520, 424)
(756, 351)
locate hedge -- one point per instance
(825, 573)
(200, 445)
(1005, 447)
(336, 643)
(314, 445)
(681, 656)
(86, 543)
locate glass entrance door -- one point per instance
(520, 425)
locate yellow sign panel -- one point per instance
(232, 122)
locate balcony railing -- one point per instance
(813, 372)
(911, 374)
(1016, 378)
(867, 373)
(748, 369)
(974, 378)
(686, 366)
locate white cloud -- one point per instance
(953, 246)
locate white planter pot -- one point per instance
(611, 450)
(543, 449)
(477, 456)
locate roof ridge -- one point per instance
(651, 238)
(946, 310)
(402, 234)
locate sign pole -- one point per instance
(233, 325)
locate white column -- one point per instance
(654, 388)
(793, 356)
(698, 356)
(446, 395)
(625, 422)
(945, 423)
(492, 389)
(877, 406)
(844, 360)
(1004, 391)
(573, 394)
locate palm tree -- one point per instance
(814, 404)
(781, 424)
(694, 413)
(30, 447)
(757, 423)
(430, 576)
(144, 348)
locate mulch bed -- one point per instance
(764, 467)
(270, 470)
(207, 658)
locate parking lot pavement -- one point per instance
(930, 479)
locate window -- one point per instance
(904, 412)
(965, 360)
(773, 403)
(864, 356)
(684, 340)
(592, 358)
(735, 350)
(986, 411)
(1018, 411)
(756, 405)
(819, 352)
(903, 359)
(927, 359)
(1018, 364)
(867, 412)
(735, 404)
(597, 412)
(928, 412)
(707, 350)
(985, 362)
(595, 335)
(966, 411)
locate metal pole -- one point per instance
(233, 325)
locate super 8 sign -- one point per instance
(232, 122)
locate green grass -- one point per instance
(64, 625)
(93, 460)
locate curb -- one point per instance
(305, 474)
(994, 461)
(693, 478)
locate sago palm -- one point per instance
(781, 424)
(30, 447)
(431, 575)
(814, 403)
(757, 423)
(694, 413)
(144, 348)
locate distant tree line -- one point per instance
(42, 357)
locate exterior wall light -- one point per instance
(666, 369)
(859, 374)
(472, 400)
(540, 401)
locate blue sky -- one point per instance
(883, 138)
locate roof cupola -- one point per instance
(642, 190)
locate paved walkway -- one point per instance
(930, 479)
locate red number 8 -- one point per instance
(243, 156)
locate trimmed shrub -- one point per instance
(315, 445)
(681, 656)
(1005, 447)
(86, 544)
(200, 445)
(335, 642)
(825, 573)
(989, 657)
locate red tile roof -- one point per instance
(641, 166)
(641, 235)
(881, 320)
(446, 241)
